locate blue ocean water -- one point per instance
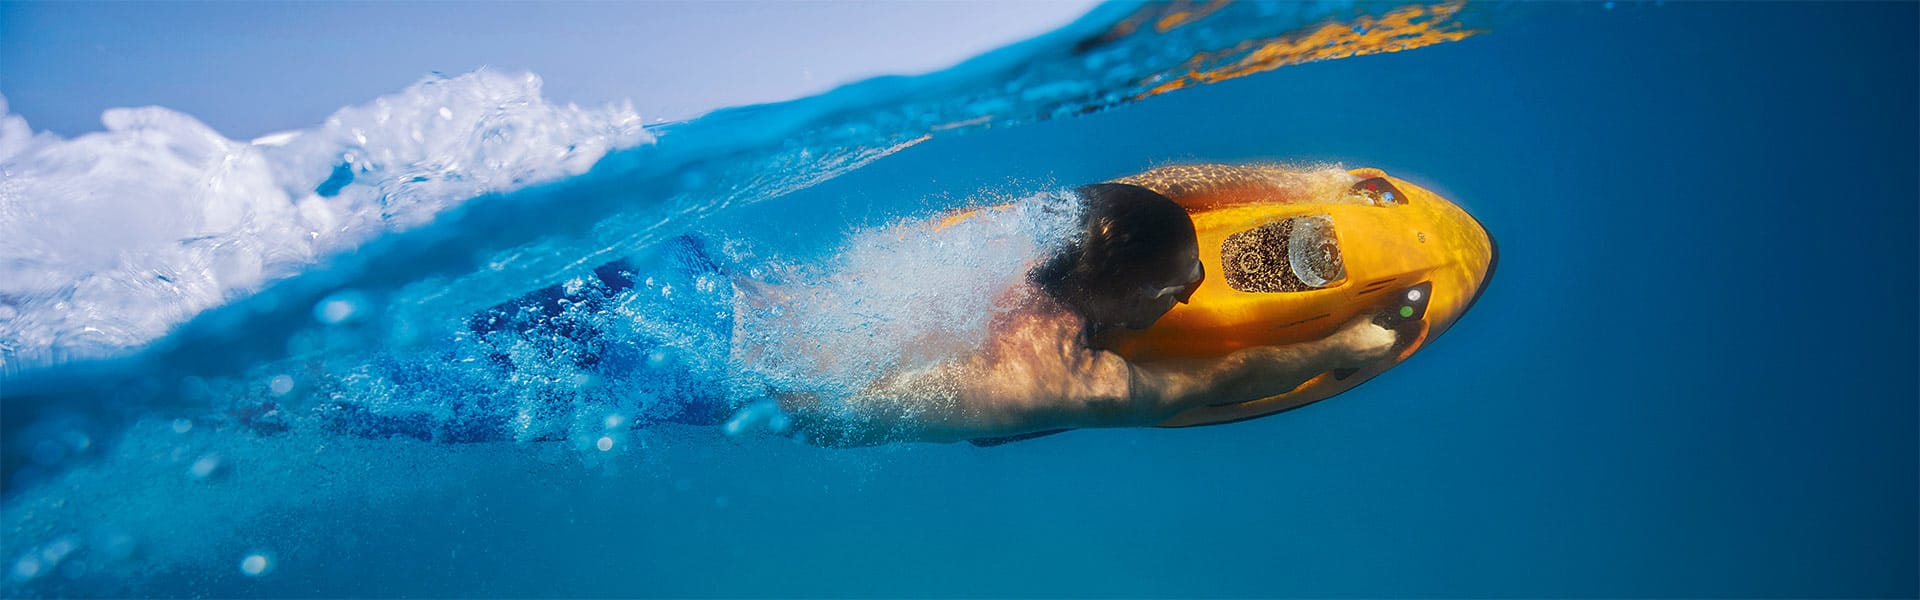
(1692, 375)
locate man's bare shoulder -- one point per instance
(1029, 319)
(1037, 368)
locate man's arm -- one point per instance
(1161, 389)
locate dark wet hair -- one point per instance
(1128, 234)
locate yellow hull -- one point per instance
(1418, 244)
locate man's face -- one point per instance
(1177, 279)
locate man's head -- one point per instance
(1135, 257)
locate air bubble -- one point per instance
(41, 561)
(605, 443)
(280, 385)
(762, 414)
(255, 565)
(340, 307)
(26, 569)
(206, 467)
(182, 425)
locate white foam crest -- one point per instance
(109, 239)
(442, 141)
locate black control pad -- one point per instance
(1400, 313)
(1409, 304)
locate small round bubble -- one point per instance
(605, 443)
(280, 385)
(26, 569)
(340, 307)
(205, 466)
(255, 565)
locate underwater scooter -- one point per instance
(1285, 270)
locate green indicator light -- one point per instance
(1406, 311)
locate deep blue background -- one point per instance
(1694, 374)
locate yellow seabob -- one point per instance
(1290, 263)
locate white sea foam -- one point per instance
(109, 239)
(899, 298)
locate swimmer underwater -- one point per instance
(1185, 295)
